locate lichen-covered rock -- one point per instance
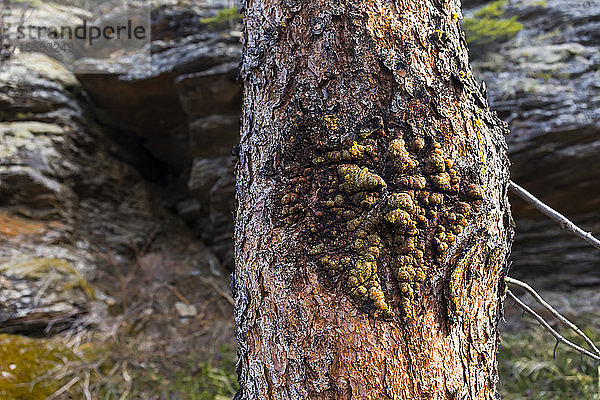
(544, 82)
(34, 175)
(55, 162)
(41, 296)
(192, 75)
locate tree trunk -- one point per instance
(373, 225)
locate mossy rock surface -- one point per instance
(50, 269)
(490, 25)
(41, 296)
(229, 15)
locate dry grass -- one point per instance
(133, 344)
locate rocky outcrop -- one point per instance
(70, 201)
(544, 82)
(60, 185)
(186, 111)
(57, 166)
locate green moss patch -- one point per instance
(228, 15)
(29, 367)
(488, 25)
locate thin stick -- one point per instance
(553, 311)
(178, 294)
(127, 379)
(559, 338)
(219, 290)
(554, 215)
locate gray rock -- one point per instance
(544, 83)
(209, 173)
(185, 310)
(66, 196)
(33, 172)
(214, 135)
(186, 111)
(41, 296)
(214, 91)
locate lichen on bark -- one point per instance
(380, 208)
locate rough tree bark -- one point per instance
(372, 226)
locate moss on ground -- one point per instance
(29, 367)
(37, 369)
(488, 25)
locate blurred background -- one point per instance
(116, 202)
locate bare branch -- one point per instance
(554, 215)
(553, 311)
(559, 338)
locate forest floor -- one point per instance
(531, 367)
(169, 335)
(158, 330)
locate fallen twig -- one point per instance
(86, 386)
(63, 389)
(178, 294)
